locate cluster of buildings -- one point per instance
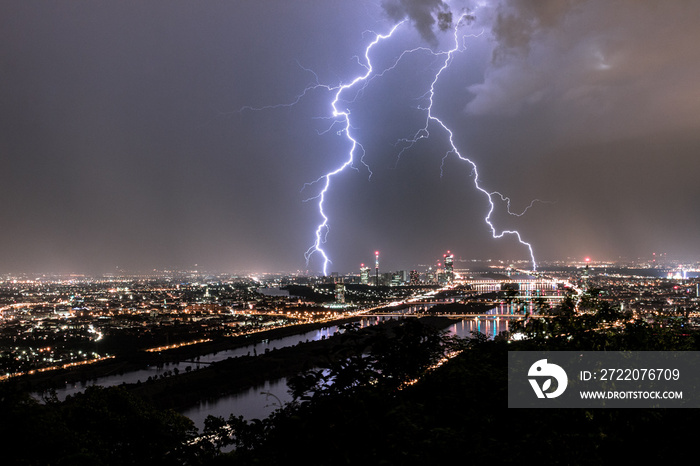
(51, 321)
(647, 297)
(442, 274)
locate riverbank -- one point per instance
(140, 359)
(237, 374)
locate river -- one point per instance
(206, 359)
(258, 402)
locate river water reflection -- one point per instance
(258, 402)
(202, 361)
(489, 326)
(255, 403)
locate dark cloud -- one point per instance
(600, 65)
(569, 81)
(517, 21)
(423, 14)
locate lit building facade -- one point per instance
(364, 274)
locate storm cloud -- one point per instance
(423, 14)
(626, 67)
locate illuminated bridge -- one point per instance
(536, 284)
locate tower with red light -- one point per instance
(376, 268)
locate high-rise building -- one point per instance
(430, 275)
(376, 268)
(415, 278)
(449, 267)
(440, 274)
(340, 293)
(364, 274)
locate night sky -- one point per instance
(126, 144)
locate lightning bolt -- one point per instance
(341, 116)
(506, 199)
(424, 133)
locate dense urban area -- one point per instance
(179, 341)
(50, 322)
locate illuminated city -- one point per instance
(57, 322)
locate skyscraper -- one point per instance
(449, 267)
(430, 276)
(585, 273)
(340, 293)
(364, 274)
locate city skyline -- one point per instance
(665, 267)
(125, 146)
